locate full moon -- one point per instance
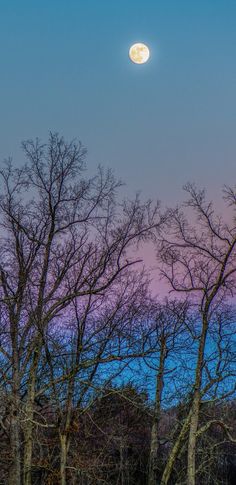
(139, 53)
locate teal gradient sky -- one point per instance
(65, 67)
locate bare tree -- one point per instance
(198, 259)
(103, 339)
(167, 339)
(63, 237)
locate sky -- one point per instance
(65, 67)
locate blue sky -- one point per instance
(65, 67)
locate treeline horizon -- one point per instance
(101, 381)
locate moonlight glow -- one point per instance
(139, 53)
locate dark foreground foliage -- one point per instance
(110, 443)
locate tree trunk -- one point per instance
(153, 465)
(15, 439)
(64, 432)
(28, 437)
(29, 414)
(15, 468)
(191, 422)
(154, 446)
(174, 452)
(63, 458)
(122, 475)
(192, 441)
